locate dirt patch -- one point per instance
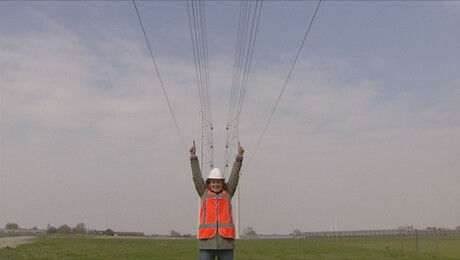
(13, 242)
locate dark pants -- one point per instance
(226, 254)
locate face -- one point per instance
(216, 185)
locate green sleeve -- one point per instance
(200, 185)
(235, 175)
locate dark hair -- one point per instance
(224, 184)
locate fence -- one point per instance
(426, 240)
(362, 233)
(382, 233)
(22, 232)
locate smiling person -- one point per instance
(216, 232)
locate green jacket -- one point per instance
(217, 242)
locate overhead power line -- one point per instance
(197, 22)
(159, 77)
(249, 19)
(286, 82)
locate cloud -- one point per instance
(335, 147)
(86, 124)
(451, 7)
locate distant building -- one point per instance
(118, 233)
(97, 232)
(406, 228)
(129, 234)
(444, 228)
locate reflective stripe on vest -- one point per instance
(216, 214)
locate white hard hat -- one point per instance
(216, 174)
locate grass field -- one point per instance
(48, 247)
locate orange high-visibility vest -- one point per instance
(216, 214)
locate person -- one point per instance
(216, 231)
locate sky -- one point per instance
(367, 131)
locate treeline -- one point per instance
(15, 226)
(66, 229)
(79, 229)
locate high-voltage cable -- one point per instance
(250, 13)
(285, 83)
(197, 22)
(159, 77)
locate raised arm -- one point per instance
(235, 175)
(200, 185)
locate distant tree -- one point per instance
(11, 226)
(109, 232)
(51, 230)
(64, 229)
(79, 229)
(174, 233)
(297, 233)
(249, 231)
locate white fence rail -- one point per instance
(361, 233)
(22, 232)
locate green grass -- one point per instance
(349, 248)
(49, 247)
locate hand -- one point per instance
(193, 149)
(240, 149)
